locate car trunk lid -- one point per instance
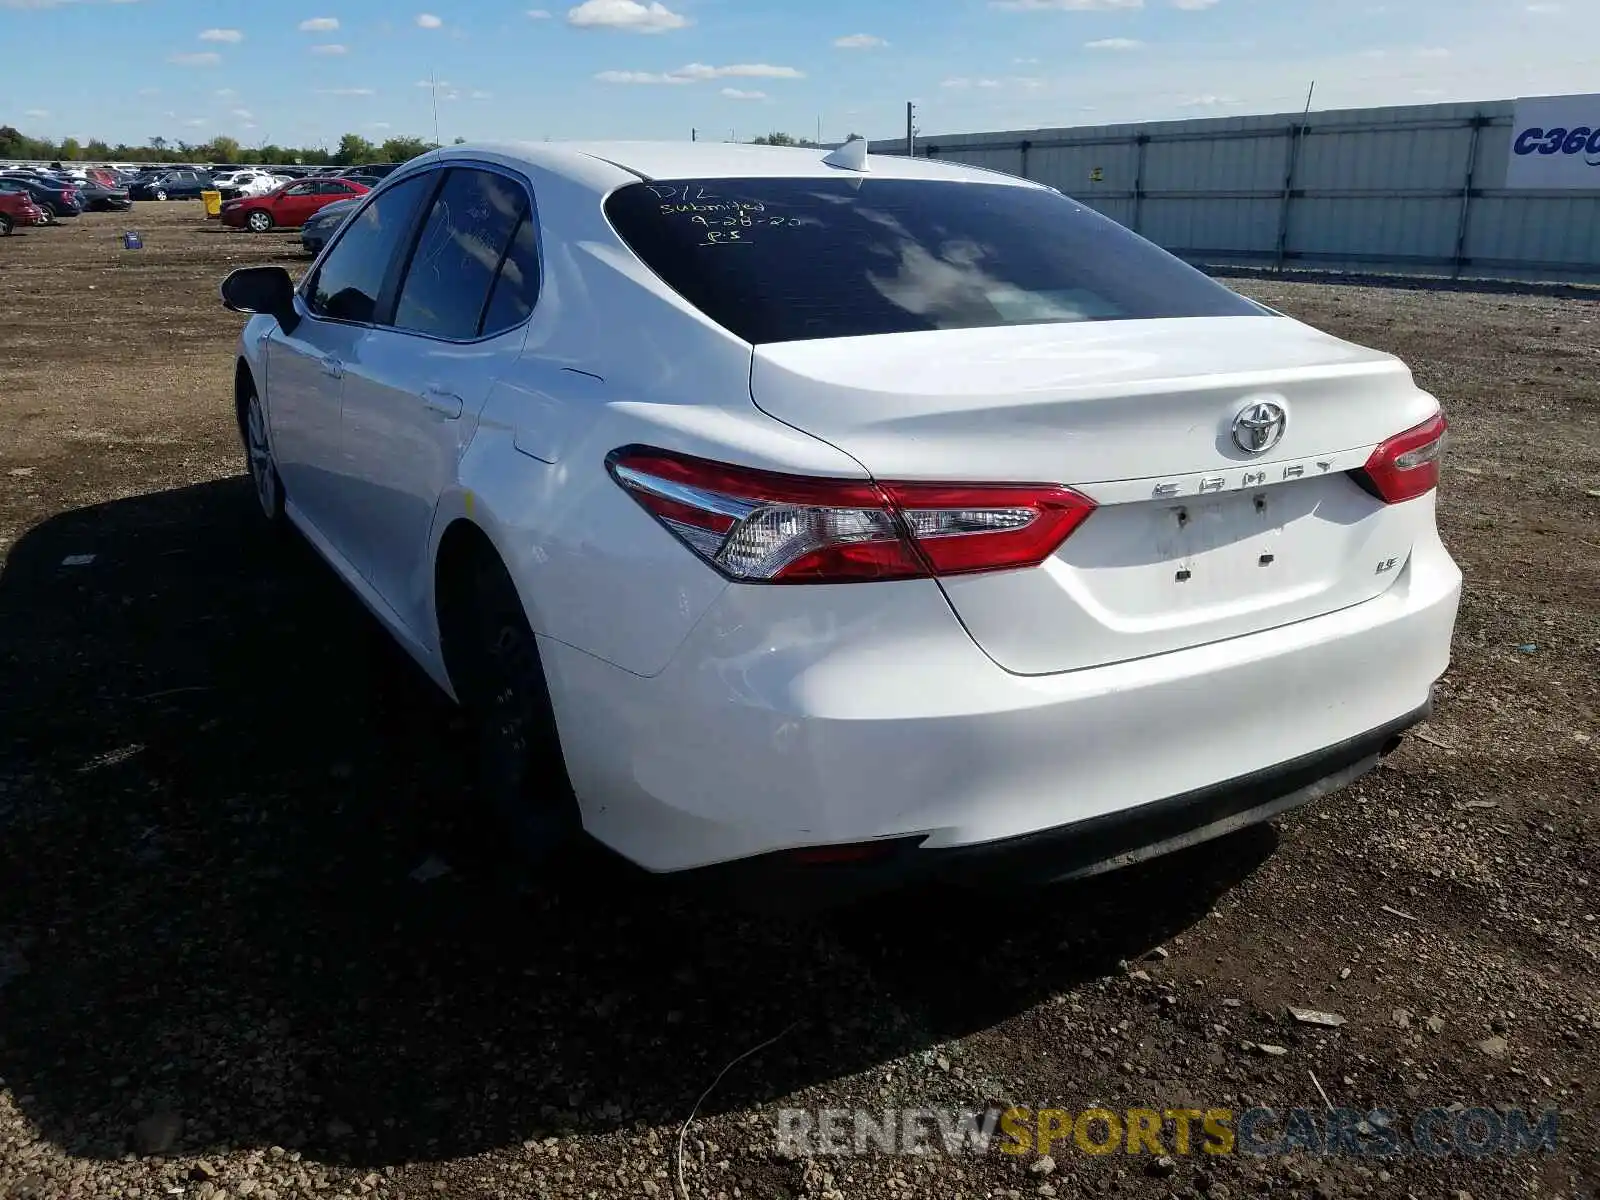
(1195, 537)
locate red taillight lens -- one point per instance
(1407, 465)
(763, 527)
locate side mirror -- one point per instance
(266, 290)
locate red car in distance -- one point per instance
(18, 208)
(290, 206)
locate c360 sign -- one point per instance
(1555, 143)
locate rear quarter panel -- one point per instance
(612, 357)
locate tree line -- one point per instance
(352, 149)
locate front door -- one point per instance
(294, 204)
(338, 303)
(305, 382)
(413, 398)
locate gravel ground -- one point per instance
(223, 975)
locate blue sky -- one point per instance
(306, 71)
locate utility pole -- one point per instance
(819, 129)
(435, 91)
(911, 129)
(694, 135)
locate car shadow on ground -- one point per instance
(217, 780)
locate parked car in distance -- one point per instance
(289, 206)
(98, 198)
(235, 184)
(380, 170)
(184, 184)
(827, 520)
(17, 208)
(56, 198)
(320, 226)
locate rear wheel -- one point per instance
(500, 680)
(6, 225)
(161, 193)
(259, 221)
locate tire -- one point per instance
(259, 221)
(6, 225)
(522, 776)
(264, 477)
(161, 193)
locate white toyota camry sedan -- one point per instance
(826, 520)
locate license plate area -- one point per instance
(1204, 557)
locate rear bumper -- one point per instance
(1076, 851)
(821, 716)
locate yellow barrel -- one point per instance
(213, 201)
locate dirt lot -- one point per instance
(216, 781)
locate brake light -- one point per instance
(1407, 465)
(764, 527)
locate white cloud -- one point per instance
(1545, 9)
(244, 114)
(380, 125)
(988, 83)
(859, 41)
(1025, 62)
(1194, 5)
(1433, 52)
(38, 114)
(740, 71)
(441, 84)
(1064, 5)
(539, 14)
(482, 95)
(319, 25)
(638, 77)
(1117, 43)
(231, 36)
(630, 16)
(1207, 101)
(347, 91)
(740, 94)
(700, 72)
(225, 93)
(958, 82)
(149, 91)
(205, 58)
(428, 21)
(195, 122)
(330, 49)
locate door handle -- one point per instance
(445, 403)
(332, 367)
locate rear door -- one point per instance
(456, 322)
(978, 333)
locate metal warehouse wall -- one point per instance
(1416, 189)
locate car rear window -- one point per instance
(778, 260)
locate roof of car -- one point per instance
(605, 165)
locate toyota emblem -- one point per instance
(1259, 427)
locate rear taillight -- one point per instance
(763, 527)
(1407, 465)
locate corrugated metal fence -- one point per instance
(1419, 190)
